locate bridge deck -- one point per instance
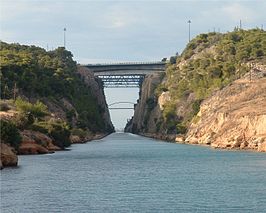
(125, 74)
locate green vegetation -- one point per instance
(37, 110)
(4, 106)
(58, 130)
(10, 134)
(208, 63)
(38, 75)
(80, 132)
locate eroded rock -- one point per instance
(8, 156)
(36, 143)
(237, 115)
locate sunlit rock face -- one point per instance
(8, 156)
(234, 117)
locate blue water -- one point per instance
(129, 173)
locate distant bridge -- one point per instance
(129, 74)
(121, 102)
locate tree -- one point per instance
(10, 134)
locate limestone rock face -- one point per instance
(144, 117)
(36, 143)
(8, 156)
(262, 147)
(31, 148)
(98, 93)
(163, 99)
(234, 117)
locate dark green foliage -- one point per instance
(4, 107)
(79, 132)
(60, 134)
(173, 59)
(218, 60)
(23, 121)
(196, 107)
(57, 130)
(181, 128)
(217, 67)
(169, 112)
(70, 114)
(53, 74)
(160, 88)
(10, 134)
(151, 103)
(37, 110)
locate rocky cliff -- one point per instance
(8, 156)
(234, 117)
(212, 94)
(48, 102)
(96, 88)
(146, 109)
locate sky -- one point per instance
(122, 31)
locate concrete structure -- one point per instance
(125, 74)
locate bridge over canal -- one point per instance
(129, 74)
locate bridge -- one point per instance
(129, 74)
(110, 106)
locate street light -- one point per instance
(64, 37)
(189, 22)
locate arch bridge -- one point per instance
(129, 74)
(110, 106)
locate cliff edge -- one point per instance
(214, 93)
(234, 117)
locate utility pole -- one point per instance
(65, 38)
(240, 24)
(189, 22)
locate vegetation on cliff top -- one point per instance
(30, 76)
(36, 74)
(208, 63)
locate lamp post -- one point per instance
(189, 22)
(64, 37)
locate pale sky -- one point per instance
(115, 31)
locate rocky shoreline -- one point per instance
(77, 140)
(9, 157)
(180, 139)
(231, 118)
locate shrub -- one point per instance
(60, 133)
(169, 112)
(4, 107)
(151, 103)
(10, 134)
(79, 132)
(23, 120)
(196, 107)
(180, 128)
(57, 130)
(38, 110)
(188, 54)
(173, 59)
(160, 89)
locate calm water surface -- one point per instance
(129, 173)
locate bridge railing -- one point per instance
(125, 63)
